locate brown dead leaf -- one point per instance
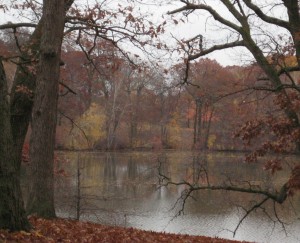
(71, 231)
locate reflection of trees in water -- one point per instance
(73, 192)
(132, 174)
(109, 173)
(101, 183)
(132, 168)
(129, 178)
(230, 184)
(109, 167)
(127, 184)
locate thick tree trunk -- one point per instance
(44, 115)
(12, 213)
(23, 90)
(25, 78)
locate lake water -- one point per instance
(125, 189)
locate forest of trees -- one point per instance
(149, 110)
(69, 80)
(127, 108)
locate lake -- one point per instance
(124, 189)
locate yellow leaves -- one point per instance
(211, 140)
(90, 129)
(289, 61)
(283, 61)
(174, 131)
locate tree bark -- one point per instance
(12, 213)
(21, 102)
(44, 115)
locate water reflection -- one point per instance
(124, 189)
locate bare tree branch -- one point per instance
(215, 48)
(265, 17)
(257, 205)
(73, 123)
(278, 197)
(16, 25)
(278, 219)
(68, 88)
(214, 13)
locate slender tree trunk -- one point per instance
(208, 127)
(44, 115)
(112, 119)
(12, 213)
(134, 117)
(130, 113)
(195, 126)
(188, 117)
(199, 124)
(163, 128)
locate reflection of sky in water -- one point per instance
(121, 189)
(254, 228)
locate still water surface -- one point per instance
(124, 189)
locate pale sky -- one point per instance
(198, 23)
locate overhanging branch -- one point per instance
(278, 197)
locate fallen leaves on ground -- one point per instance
(65, 230)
